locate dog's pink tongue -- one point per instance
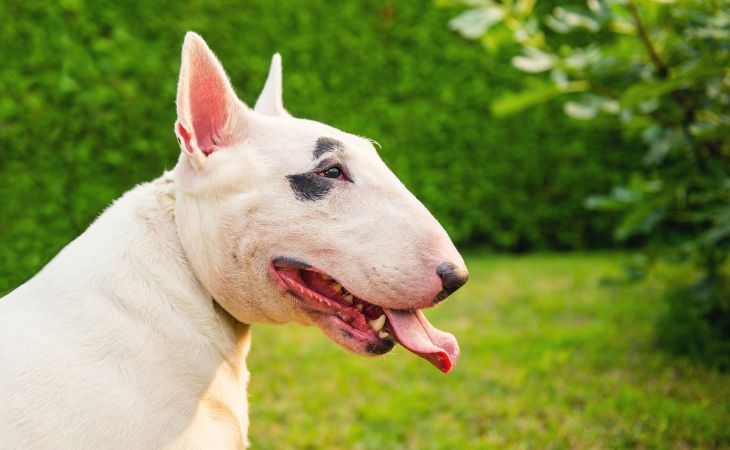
(414, 332)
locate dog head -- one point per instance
(286, 219)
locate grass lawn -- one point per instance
(549, 359)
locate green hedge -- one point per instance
(86, 111)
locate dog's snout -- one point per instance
(451, 279)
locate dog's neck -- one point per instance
(226, 395)
(222, 331)
(132, 256)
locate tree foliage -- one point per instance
(87, 92)
(658, 70)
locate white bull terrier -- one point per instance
(135, 335)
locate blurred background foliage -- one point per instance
(86, 111)
(658, 71)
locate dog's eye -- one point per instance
(333, 172)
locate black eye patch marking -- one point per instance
(327, 145)
(309, 186)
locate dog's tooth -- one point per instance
(337, 287)
(359, 307)
(348, 298)
(383, 334)
(377, 324)
(325, 277)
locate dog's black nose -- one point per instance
(451, 279)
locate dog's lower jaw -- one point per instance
(336, 330)
(126, 346)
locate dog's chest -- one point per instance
(220, 419)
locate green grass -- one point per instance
(550, 359)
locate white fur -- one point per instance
(114, 344)
(271, 100)
(118, 343)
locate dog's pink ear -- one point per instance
(206, 102)
(271, 100)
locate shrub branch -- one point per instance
(661, 68)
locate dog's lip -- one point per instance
(351, 337)
(291, 263)
(289, 276)
(410, 328)
(288, 262)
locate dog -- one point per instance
(136, 334)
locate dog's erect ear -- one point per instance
(208, 110)
(270, 100)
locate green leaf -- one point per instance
(475, 22)
(639, 221)
(534, 61)
(656, 88)
(581, 58)
(580, 111)
(524, 7)
(513, 102)
(661, 144)
(564, 20)
(589, 106)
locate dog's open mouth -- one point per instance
(375, 329)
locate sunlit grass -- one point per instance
(550, 359)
